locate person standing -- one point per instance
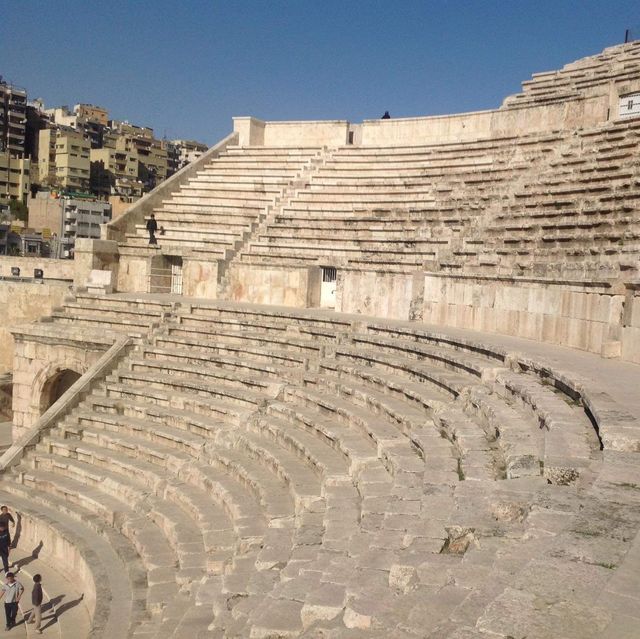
(12, 590)
(5, 546)
(35, 615)
(6, 516)
(152, 227)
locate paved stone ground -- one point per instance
(64, 613)
(268, 472)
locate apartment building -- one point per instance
(182, 152)
(63, 159)
(88, 119)
(15, 179)
(151, 154)
(116, 162)
(13, 105)
(93, 113)
(189, 150)
(67, 219)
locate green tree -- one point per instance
(19, 210)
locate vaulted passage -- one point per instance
(56, 386)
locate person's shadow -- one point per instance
(29, 558)
(56, 612)
(18, 532)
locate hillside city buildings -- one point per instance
(73, 158)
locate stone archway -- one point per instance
(55, 386)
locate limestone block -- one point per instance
(403, 577)
(100, 282)
(611, 349)
(356, 620)
(631, 344)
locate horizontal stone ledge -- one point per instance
(49, 333)
(547, 281)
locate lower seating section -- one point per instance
(254, 472)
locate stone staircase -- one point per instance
(260, 472)
(300, 182)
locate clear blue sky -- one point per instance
(185, 67)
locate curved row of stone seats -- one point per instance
(620, 63)
(579, 210)
(277, 472)
(113, 581)
(92, 314)
(393, 205)
(217, 207)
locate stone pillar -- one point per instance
(92, 255)
(250, 131)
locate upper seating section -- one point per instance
(619, 63)
(394, 206)
(215, 209)
(505, 203)
(579, 215)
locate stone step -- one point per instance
(127, 384)
(84, 486)
(183, 510)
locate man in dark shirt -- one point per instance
(6, 517)
(5, 546)
(152, 227)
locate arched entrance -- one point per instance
(56, 386)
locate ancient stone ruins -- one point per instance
(375, 380)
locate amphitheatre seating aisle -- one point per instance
(214, 210)
(266, 472)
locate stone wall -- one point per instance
(600, 317)
(631, 326)
(52, 269)
(66, 553)
(24, 302)
(392, 295)
(583, 315)
(254, 132)
(40, 354)
(458, 127)
(286, 286)
(462, 127)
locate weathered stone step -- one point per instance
(211, 520)
(180, 532)
(128, 382)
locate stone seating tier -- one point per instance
(620, 64)
(240, 459)
(229, 195)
